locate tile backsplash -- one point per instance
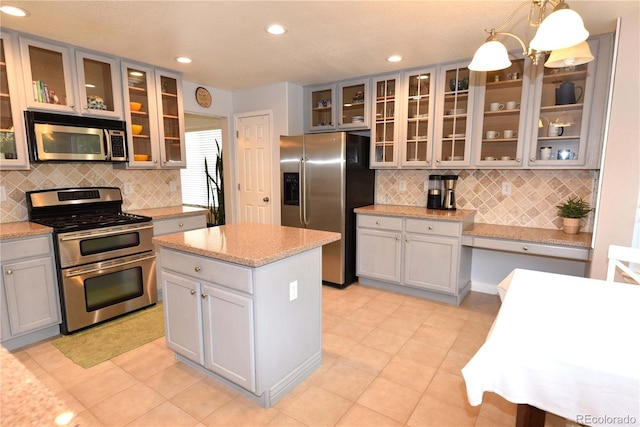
(534, 193)
(150, 187)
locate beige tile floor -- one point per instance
(388, 360)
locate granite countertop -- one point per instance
(15, 230)
(529, 234)
(416, 212)
(249, 244)
(169, 212)
(26, 401)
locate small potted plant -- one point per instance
(571, 212)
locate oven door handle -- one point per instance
(80, 236)
(101, 266)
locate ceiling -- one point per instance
(326, 40)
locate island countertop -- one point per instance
(248, 244)
(169, 212)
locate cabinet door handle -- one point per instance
(518, 160)
(438, 161)
(192, 292)
(197, 269)
(532, 160)
(181, 225)
(397, 237)
(430, 227)
(9, 272)
(525, 248)
(377, 222)
(204, 296)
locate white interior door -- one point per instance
(254, 169)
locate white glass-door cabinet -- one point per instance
(569, 108)
(385, 114)
(354, 105)
(141, 115)
(13, 146)
(48, 76)
(99, 86)
(319, 108)
(500, 114)
(171, 116)
(417, 132)
(453, 127)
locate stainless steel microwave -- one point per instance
(59, 137)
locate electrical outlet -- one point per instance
(426, 186)
(173, 187)
(293, 290)
(403, 186)
(506, 188)
(3, 193)
(128, 188)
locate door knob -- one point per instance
(266, 199)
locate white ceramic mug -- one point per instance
(496, 106)
(492, 134)
(510, 133)
(545, 153)
(512, 105)
(505, 158)
(555, 130)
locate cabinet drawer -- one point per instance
(175, 225)
(555, 251)
(218, 272)
(380, 222)
(25, 248)
(440, 228)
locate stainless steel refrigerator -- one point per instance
(323, 178)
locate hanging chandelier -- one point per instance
(562, 33)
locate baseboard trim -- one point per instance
(484, 287)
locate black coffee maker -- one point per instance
(434, 193)
(449, 182)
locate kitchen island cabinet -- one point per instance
(243, 303)
(414, 250)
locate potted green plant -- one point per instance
(215, 191)
(571, 212)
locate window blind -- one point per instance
(199, 145)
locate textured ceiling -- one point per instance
(326, 40)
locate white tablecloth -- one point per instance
(567, 345)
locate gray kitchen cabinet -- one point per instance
(211, 327)
(99, 85)
(177, 224)
(257, 330)
(30, 299)
(385, 127)
(319, 108)
(337, 106)
(378, 240)
(155, 117)
(420, 257)
(418, 116)
(14, 154)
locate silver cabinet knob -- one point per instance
(9, 272)
(197, 269)
(533, 159)
(266, 199)
(192, 292)
(518, 160)
(204, 296)
(525, 248)
(181, 225)
(377, 222)
(430, 227)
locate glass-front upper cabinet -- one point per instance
(48, 76)
(319, 102)
(171, 124)
(142, 116)
(13, 148)
(354, 108)
(99, 85)
(501, 125)
(564, 101)
(419, 89)
(384, 131)
(453, 128)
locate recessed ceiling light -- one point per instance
(394, 58)
(276, 29)
(183, 60)
(14, 11)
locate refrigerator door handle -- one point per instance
(303, 189)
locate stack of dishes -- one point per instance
(357, 119)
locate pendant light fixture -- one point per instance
(562, 29)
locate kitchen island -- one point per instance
(243, 303)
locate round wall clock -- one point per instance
(203, 97)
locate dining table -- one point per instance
(565, 345)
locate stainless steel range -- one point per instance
(105, 258)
